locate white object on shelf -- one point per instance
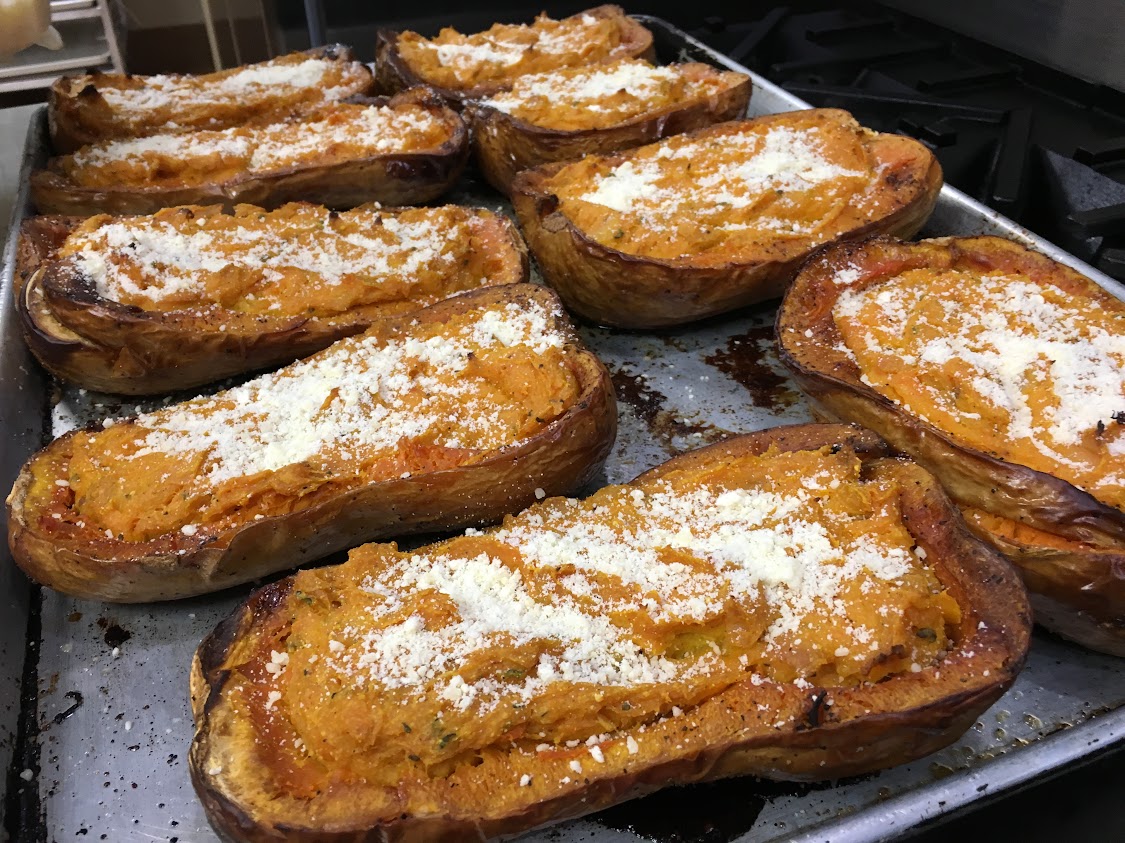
(91, 41)
(24, 23)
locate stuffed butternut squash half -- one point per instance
(405, 150)
(1001, 371)
(570, 113)
(463, 67)
(453, 415)
(762, 606)
(190, 295)
(716, 219)
(95, 107)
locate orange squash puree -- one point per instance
(604, 95)
(507, 51)
(765, 189)
(1017, 368)
(369, 408)
(298, 260)
(332, 135)
(140, 105)
(576, 619)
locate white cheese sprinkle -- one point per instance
(347, 398)
(171, 260)
(755, 541)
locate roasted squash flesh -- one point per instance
(300, 260)
(492, 680)
(774, 186)
(580, 618)
(94, 107)
(1001, 371)
(505, 52)
(605, 95)
(1006, 364)
(445, 396)
(335, 134)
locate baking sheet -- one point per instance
(106, 718)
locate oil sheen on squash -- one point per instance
(507, 51)
(300, 260)
(765, 189)
(369, 408)
(576, 624)
(1010, 366)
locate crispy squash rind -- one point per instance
(559, 459)
(896, 720)
(393, 73)
(131, 351)
(504, 145)
(1079, 591)
(406, 178)
(615, 288)
(72, 125)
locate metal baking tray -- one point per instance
(94, 716)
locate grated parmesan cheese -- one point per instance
(1004, 340)
(599, 95)
(149, 259)
(348, 398)
(783, 160)
(346, 132)
(754, 542)
(250, 86)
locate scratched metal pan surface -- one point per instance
(104, 722)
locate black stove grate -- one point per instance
(1039, 146)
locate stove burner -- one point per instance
(1041, 147)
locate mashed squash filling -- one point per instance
(297, 261)
(753, 190)
(608, 94)
(1008, 366)
(332, 135)
(369, 408)
(238, 95)
(577, 619)
(507, 51)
